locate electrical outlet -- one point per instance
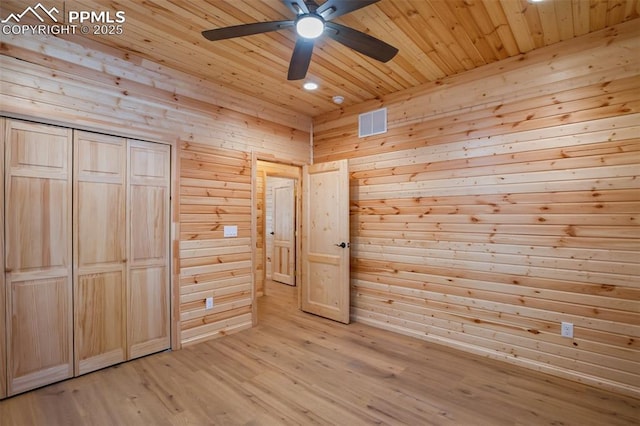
(208, 303)
(566, 329)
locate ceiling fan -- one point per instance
(313, 20)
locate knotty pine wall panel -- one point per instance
(215, 190)
(504, 201)
(261, 237)
(94, 87)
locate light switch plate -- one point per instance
(230, 231)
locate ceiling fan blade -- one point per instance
(334, 8)
(245, 29)
(298, 7)
(360, 42)
(300, 59)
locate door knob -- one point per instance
(272, 233)
(343, 245)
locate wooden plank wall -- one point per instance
(215, 190)
(260, 258)
(3, 291)
(502, 202)
(93, 87)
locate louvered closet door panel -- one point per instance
(38, 255)
(3, 342)
(99, 251)
(148, 241)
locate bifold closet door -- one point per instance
(3, 341)
(148, 239)
(99, 251)
(38, 273)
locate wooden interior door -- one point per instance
(99, 251)
(3, 342)
(148, 320)
(38, 255)
(325, 240)
(284, 222)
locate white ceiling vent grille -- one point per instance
(372, 123)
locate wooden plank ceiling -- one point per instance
(436, 39)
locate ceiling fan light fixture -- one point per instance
(310, 21)
(309, 26)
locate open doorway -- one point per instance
(321, 236)
(277, 203)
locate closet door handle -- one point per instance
(343, 245)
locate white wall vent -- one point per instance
(372, 123)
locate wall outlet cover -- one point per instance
(566, 329)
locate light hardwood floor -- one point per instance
(295, 368)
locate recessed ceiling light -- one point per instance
(309, 85)
(309, 26)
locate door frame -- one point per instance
(294, 172)
(3, 341)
